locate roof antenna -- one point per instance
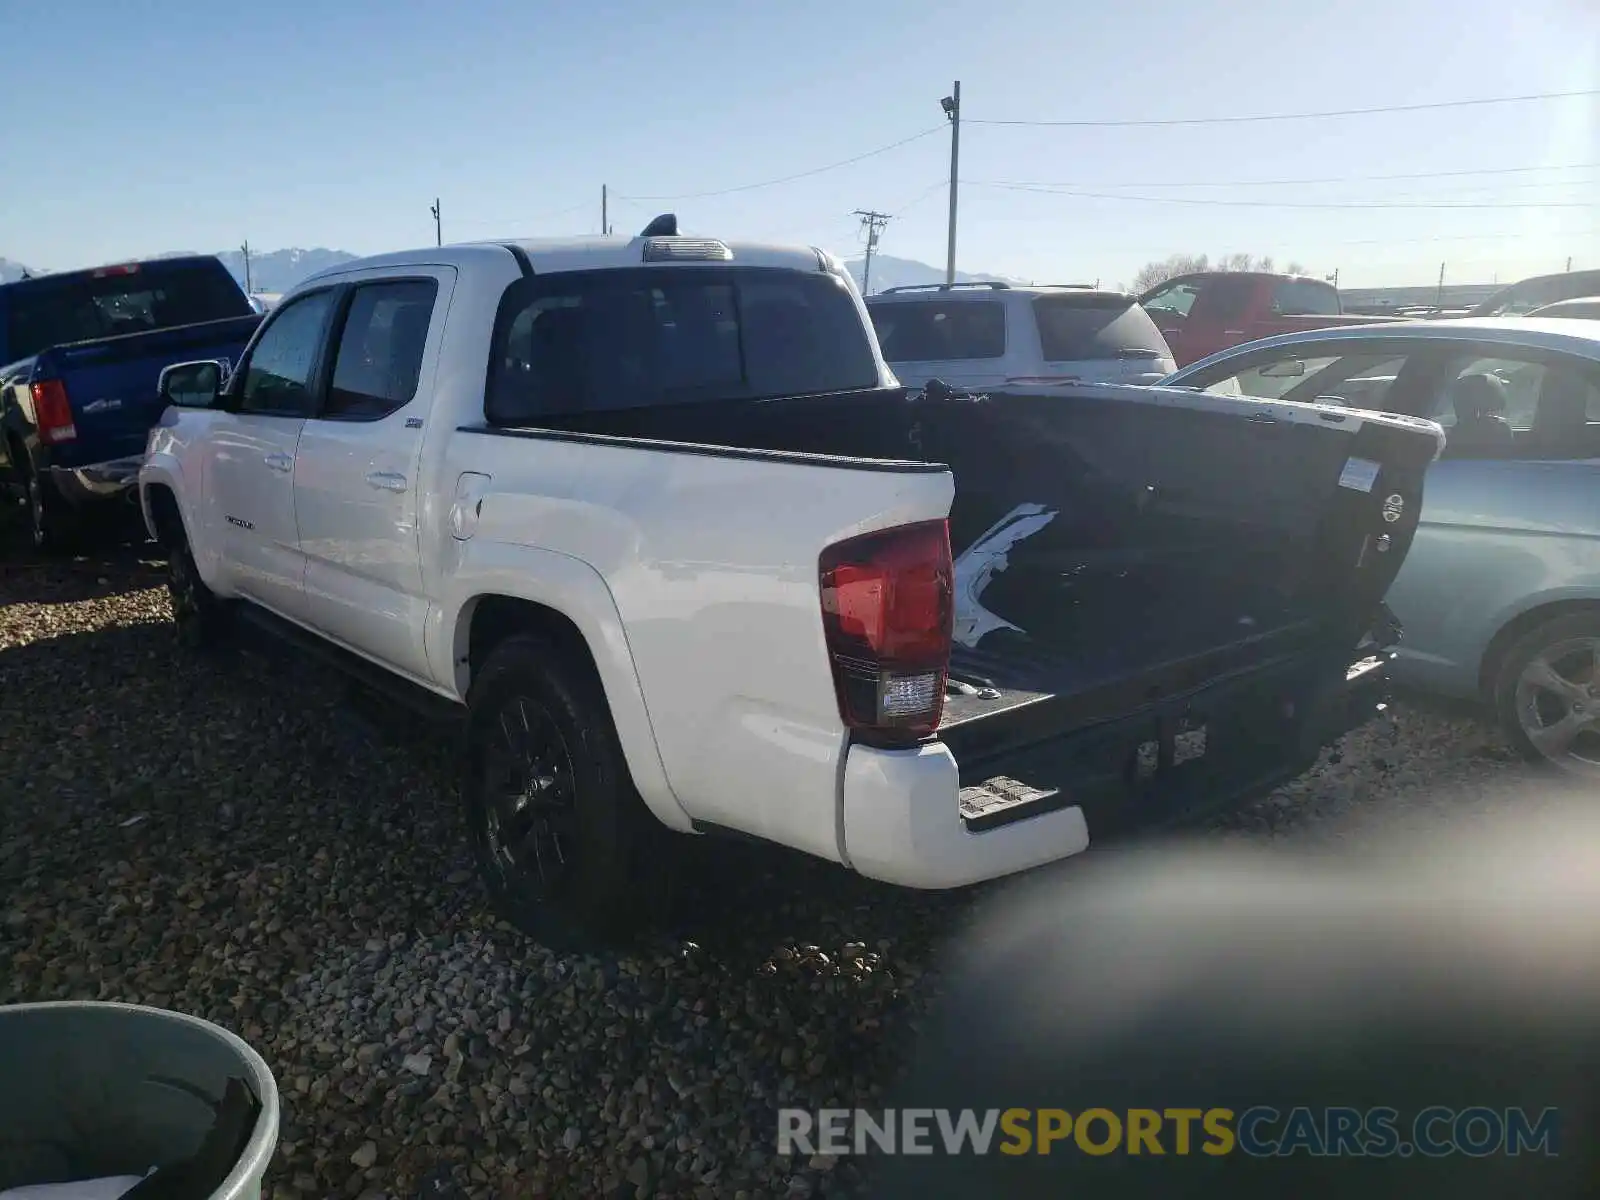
(666, 225)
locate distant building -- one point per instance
(1452, 295)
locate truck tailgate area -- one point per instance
(1162, 598)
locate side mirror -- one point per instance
(1291, 369)
(193, 384)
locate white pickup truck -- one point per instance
(654, 516)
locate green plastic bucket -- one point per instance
(91, 1090)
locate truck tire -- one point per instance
(200, 616)
(50, 529)
(561, 837)
(1547, 694)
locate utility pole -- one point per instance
(872, 223)
(1441, 285)
(438, 227)
(1569, 262)
(1334, 278)
(605, 226)
(245, 249)
(952, 110)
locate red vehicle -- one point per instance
(1208, 311)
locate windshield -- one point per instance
(1096, 326)
(85, 305)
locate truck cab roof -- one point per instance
(598, 253)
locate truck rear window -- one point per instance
(1096, 325)
(940, 330)
(81, 305)
(607, 340)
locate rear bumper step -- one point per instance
(115, 479)
(1158, 769)
(940, 816)
(1002, 800)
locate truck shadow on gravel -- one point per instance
(252, 759)
(110, 567)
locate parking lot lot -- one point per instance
(250, 844)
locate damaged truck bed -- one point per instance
(1165, 601)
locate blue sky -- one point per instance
(133, 129)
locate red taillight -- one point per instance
(52, 415)
(121, 269)
(888, 610)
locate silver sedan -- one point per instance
(1500, 595)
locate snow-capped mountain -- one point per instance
(279, 270)
(273, 272)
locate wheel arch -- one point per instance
(1519, 626)
(569, 604)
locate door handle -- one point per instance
(280, 462)
(387, 481)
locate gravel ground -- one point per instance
(252, 845)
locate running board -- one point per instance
(384, 684)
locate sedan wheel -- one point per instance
(1549, 695)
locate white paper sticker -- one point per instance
(1359, 474)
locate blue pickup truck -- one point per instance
(80, 355)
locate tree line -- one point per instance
(1153, 273)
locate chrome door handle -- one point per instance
(388, 481)
(280, 462)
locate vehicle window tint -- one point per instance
(1500, 407)
(1272, 380)
(940, 330)
(77, 307)
(1174, 300)
(638, 339)
(1224, 298)
(1359, 380)
(379, 361)
(1516, 382)
(277, 376)
(1096, 326)
(1536, 293)
(1582, 310)
(1305, 298)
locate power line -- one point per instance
(932, 188)
(1363, 205)
(748, 187)
(1298, 116)
(1298, 182)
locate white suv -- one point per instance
(990, 334)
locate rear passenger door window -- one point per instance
(940, 330)
(378, 363)
(1509, 406)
